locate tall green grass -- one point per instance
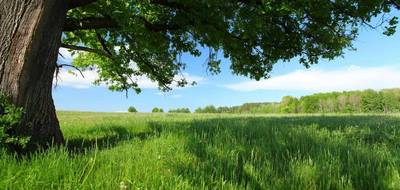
(189, 151)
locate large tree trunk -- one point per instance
(30, 32)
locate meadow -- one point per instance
(213, 151)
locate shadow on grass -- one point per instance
(256, 152)
(104, 138)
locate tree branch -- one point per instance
(106, 22)
(103, 43)
(89, 23)
(72, 4)
(159, 27)
(170, 4)
(247, 2)
(395, 3)
(66, 65)
(91, 50)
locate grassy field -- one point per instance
(189, 151)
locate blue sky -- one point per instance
(375, 64)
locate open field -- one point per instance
(205, 151)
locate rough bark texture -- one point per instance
(30, 32)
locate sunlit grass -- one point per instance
(206, 151)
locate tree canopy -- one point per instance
(132, 109)
(127, 39)
(157, 110)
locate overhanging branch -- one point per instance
(72, 4)
(103, 44)
(170, 4)
(66, 65)
(395, 3)
(159, 27)
(91, 50)
(89, 23)
(93, 23)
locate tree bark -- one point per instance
(30, 32)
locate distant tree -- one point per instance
(390, 100)
(157, 110)
(330, 105)
(223, 109)
(207, 109)
(198, 110)
(354, 102)
(179, 110)
(246, 107)
(289, 104)
(210, 109)
(267, 108)
(132, 109)
(309, 104)
(371, 101)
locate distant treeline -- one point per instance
(179, 110)
(367, 101)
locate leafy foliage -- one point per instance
(132, 109)
(10, 116)
(157, 110)
(129, 39)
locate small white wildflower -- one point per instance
(123, 186)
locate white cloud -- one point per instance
(317, 80)
(76, 80)
(66, 78)
(145, 82)
(191, 78)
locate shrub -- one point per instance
(132, 109)
(10, 116)
(157, 110)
